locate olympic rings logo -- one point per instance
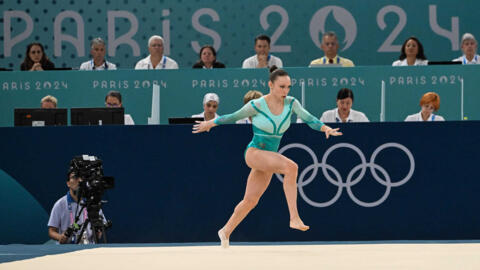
(349, 183)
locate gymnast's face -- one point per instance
(280, 87)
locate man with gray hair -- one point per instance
(210, 107)
(330, 48)
(469, 49)
(98, 62)
(156, 59)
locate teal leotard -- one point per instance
(268, 128)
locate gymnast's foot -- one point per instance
(223, 238)
(297, 224)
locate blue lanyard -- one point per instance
(465, 59)
(104, 65)
(164, 63)
(325, 59)
(268, 58)
(70, 210)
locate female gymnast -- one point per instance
(270, 119)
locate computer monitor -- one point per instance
(184, 120)
(432, 63)
(97, 116)
(39, 117)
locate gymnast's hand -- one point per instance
(203, 126)
(331, 132)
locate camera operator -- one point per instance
(64, 213)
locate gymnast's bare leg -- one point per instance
(263, 165)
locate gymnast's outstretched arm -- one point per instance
(313, 122)
(246, 111)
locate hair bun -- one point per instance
(273, 68)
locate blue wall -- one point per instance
(173, 186)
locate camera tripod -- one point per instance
(96, 223)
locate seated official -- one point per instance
(330, 47)
(210, 107)
(114, 100)
(48, 102)
(64, 212)
(262, 58)
(411, 54)
(98, 62)
(429, 103)
(36, 59)
(208, 58)
(344, 112)
(156, 59)
(250, 95)
(469, 49)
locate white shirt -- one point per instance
(89, 65)
(165, 63)
(418, 118)
(464, 60)
(128, 120)
(245, 121)
(332, 116)
(252, 62)
(418, 62)
(202, 115)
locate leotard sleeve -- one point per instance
(307, 118)
(246, 111)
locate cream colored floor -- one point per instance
(292, 257)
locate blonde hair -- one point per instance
(49, 98)
(250, 95)
(431, 97)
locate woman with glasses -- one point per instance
(114, 100)
(35, 59)
(210, 106)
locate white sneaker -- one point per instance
(225, 243)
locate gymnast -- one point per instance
(271, 116)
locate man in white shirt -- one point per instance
(469, 49)
(210, 107)
(344, 112)
(65, 211)
(262, 59)
(156, 59)
(114, 100)
(98, 62)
